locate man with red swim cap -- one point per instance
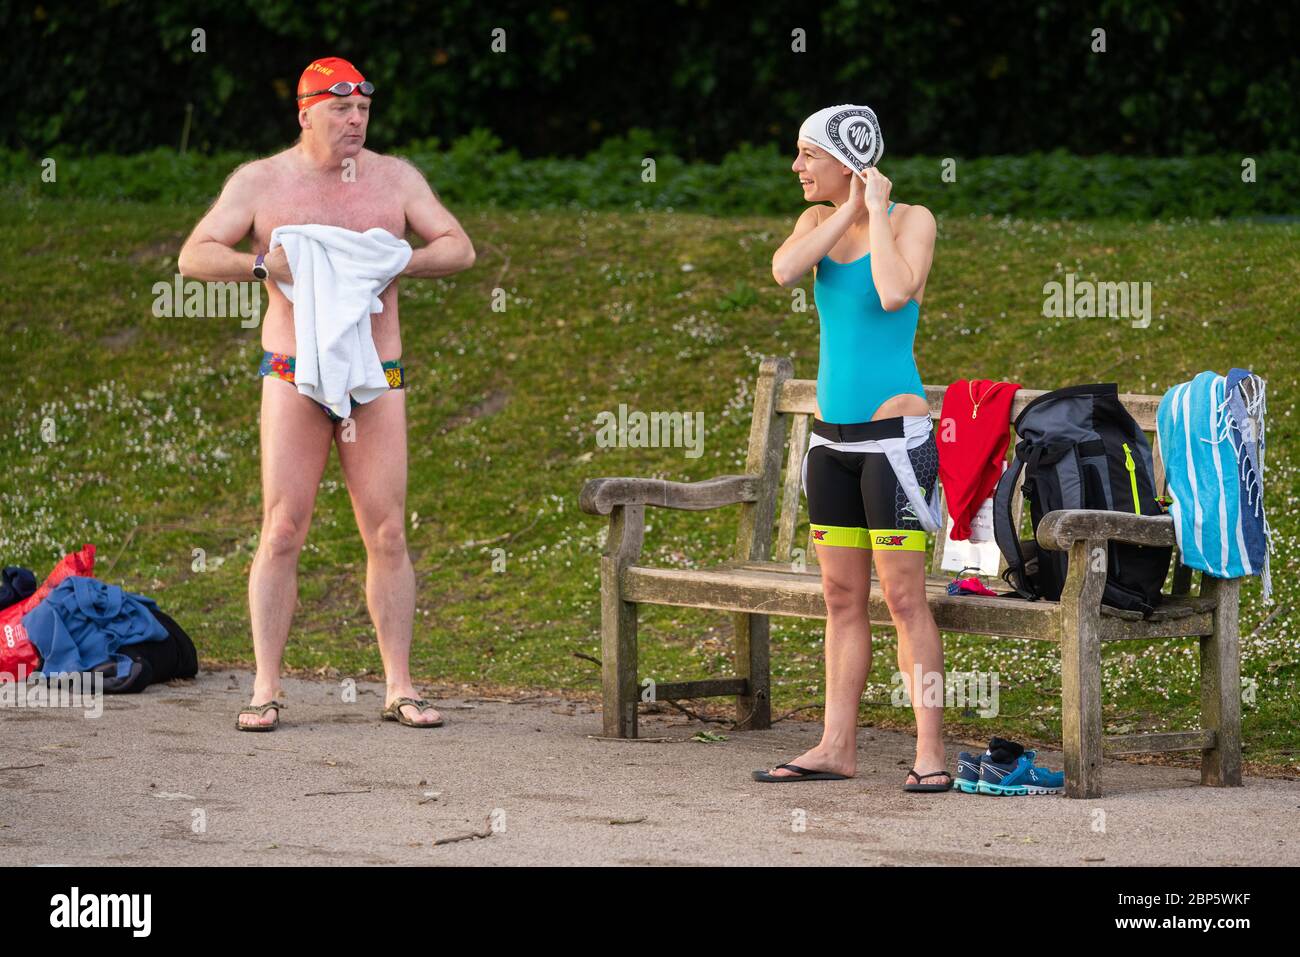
(320, 82)
(328, 178)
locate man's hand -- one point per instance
(277, 265)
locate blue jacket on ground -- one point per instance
(83, 622)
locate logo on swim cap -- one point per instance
(856, 133)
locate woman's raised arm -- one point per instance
(810, 242)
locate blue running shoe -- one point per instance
(968, 771)
(1019, 778)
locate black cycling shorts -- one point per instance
(856, 501)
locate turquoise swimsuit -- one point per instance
(866, 352)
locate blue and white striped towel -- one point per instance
(1211, 434)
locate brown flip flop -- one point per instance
(394, 713)
(259, 710)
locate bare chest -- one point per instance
(357, 206)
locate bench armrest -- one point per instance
(1060, 529)
(600, 496)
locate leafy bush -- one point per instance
(475, 171)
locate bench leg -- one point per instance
(1081, 705)
(754, 710)
(618, 652)
(1221, 686)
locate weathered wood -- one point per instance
(752, 644)
(1185, 616)
(1173, 606)
(707, 688)
(626, 534)
(792, 490)
(782, 591)
(1191, 626)
(766, 443)
(767, 434)
(1221, 685)
(1158, 741)
(618, 640)
(1060, 529)
(800, 395)
(599, 496)
(1081, 668)
(1158, 459)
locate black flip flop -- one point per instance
(918, 786)
(801, 774)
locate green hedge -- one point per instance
(1176, 78)
(475, 171)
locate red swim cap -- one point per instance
(320, 75)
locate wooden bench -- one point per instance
(764, 580)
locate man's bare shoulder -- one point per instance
(408, 177)
(256, 174)
(406, 173)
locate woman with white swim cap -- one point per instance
(871, 471)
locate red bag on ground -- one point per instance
(15, 648)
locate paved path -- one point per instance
(129, 787)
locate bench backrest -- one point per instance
(783, 411)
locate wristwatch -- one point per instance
(259, 269)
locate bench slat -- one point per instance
(784, 591)
(776, 588)
(792, 490)
(1159, 741)
(800, 395)
(705, 688)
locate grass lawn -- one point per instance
(140, 434)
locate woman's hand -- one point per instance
(877, 191)
(857, 197)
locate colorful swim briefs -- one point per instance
(280, 365)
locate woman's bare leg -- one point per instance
(902, 581)
(846, 583)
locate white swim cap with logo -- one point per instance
(849, 133)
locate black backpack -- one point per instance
(1080, 448)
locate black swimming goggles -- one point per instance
(343, 88)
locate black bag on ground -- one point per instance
(153, 662)
(1080, 448)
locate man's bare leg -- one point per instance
(296, 438)
(374, 466)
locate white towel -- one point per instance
(338, 275)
